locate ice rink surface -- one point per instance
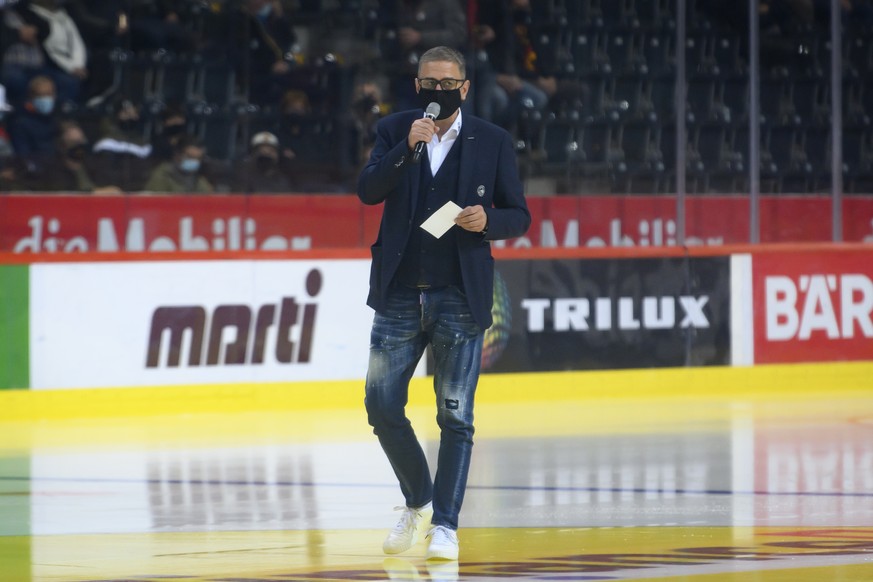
(626, 488)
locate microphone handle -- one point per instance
(416, 153)
(419, 147)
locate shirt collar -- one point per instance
(455, 129)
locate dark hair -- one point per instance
(187, 141)
(444, 54)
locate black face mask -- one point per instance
(264, 163)
(449, 101)
(77, 153)
(172, 130)
(127, 125)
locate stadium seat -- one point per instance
(657, 52)
(215, 83)
(561, 142)
(811, 100)
(175, 77)
(643, 156)
(728, 55)
(620, 14)
(218, 128)
(735, 98)
(589, 50)
(628, 94)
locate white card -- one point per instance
(442, 220)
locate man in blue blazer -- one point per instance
(436, 290)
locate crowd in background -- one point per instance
(299, 85)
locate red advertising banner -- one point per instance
(812, 306)
(59, 223)
(54, 224)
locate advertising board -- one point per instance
(813, 307)
(178, 322)
(586, 314)
(71, 224)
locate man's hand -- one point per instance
(510, 83)
(421, 130)
(472, 218)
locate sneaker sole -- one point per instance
(400, 550)
(438, 555)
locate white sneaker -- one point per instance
(443, 543)
(405, 533)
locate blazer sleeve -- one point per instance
(387, 164)
(509, 216)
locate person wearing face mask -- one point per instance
(172, 126)
(122, 155)
(434, 288)
(50, 45)
(33, 128)
(70, 169)
(182, 174)
(264, 170)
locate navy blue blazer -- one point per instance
(488, 177)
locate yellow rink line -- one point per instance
(792, 381)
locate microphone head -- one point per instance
(433, 110)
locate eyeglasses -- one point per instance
(445, 84)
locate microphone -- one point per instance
(433, 109)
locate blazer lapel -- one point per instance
(469, 153)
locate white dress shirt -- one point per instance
(438, 149)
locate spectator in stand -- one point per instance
(368, 108)
(408, 29)
(122, 154)
(33, 128)
(133, 24)
(258, 39)
(182, 175)
(6, 150)
(69, 170)
(264, 170)
(8, 174)
(509, 79)
(49, 44)
(172, 126)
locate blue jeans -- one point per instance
(411, 320)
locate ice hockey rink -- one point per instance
(761, 474)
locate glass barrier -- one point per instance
(708, 112)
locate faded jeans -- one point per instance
(412, 319)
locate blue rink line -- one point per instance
(217, 482)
